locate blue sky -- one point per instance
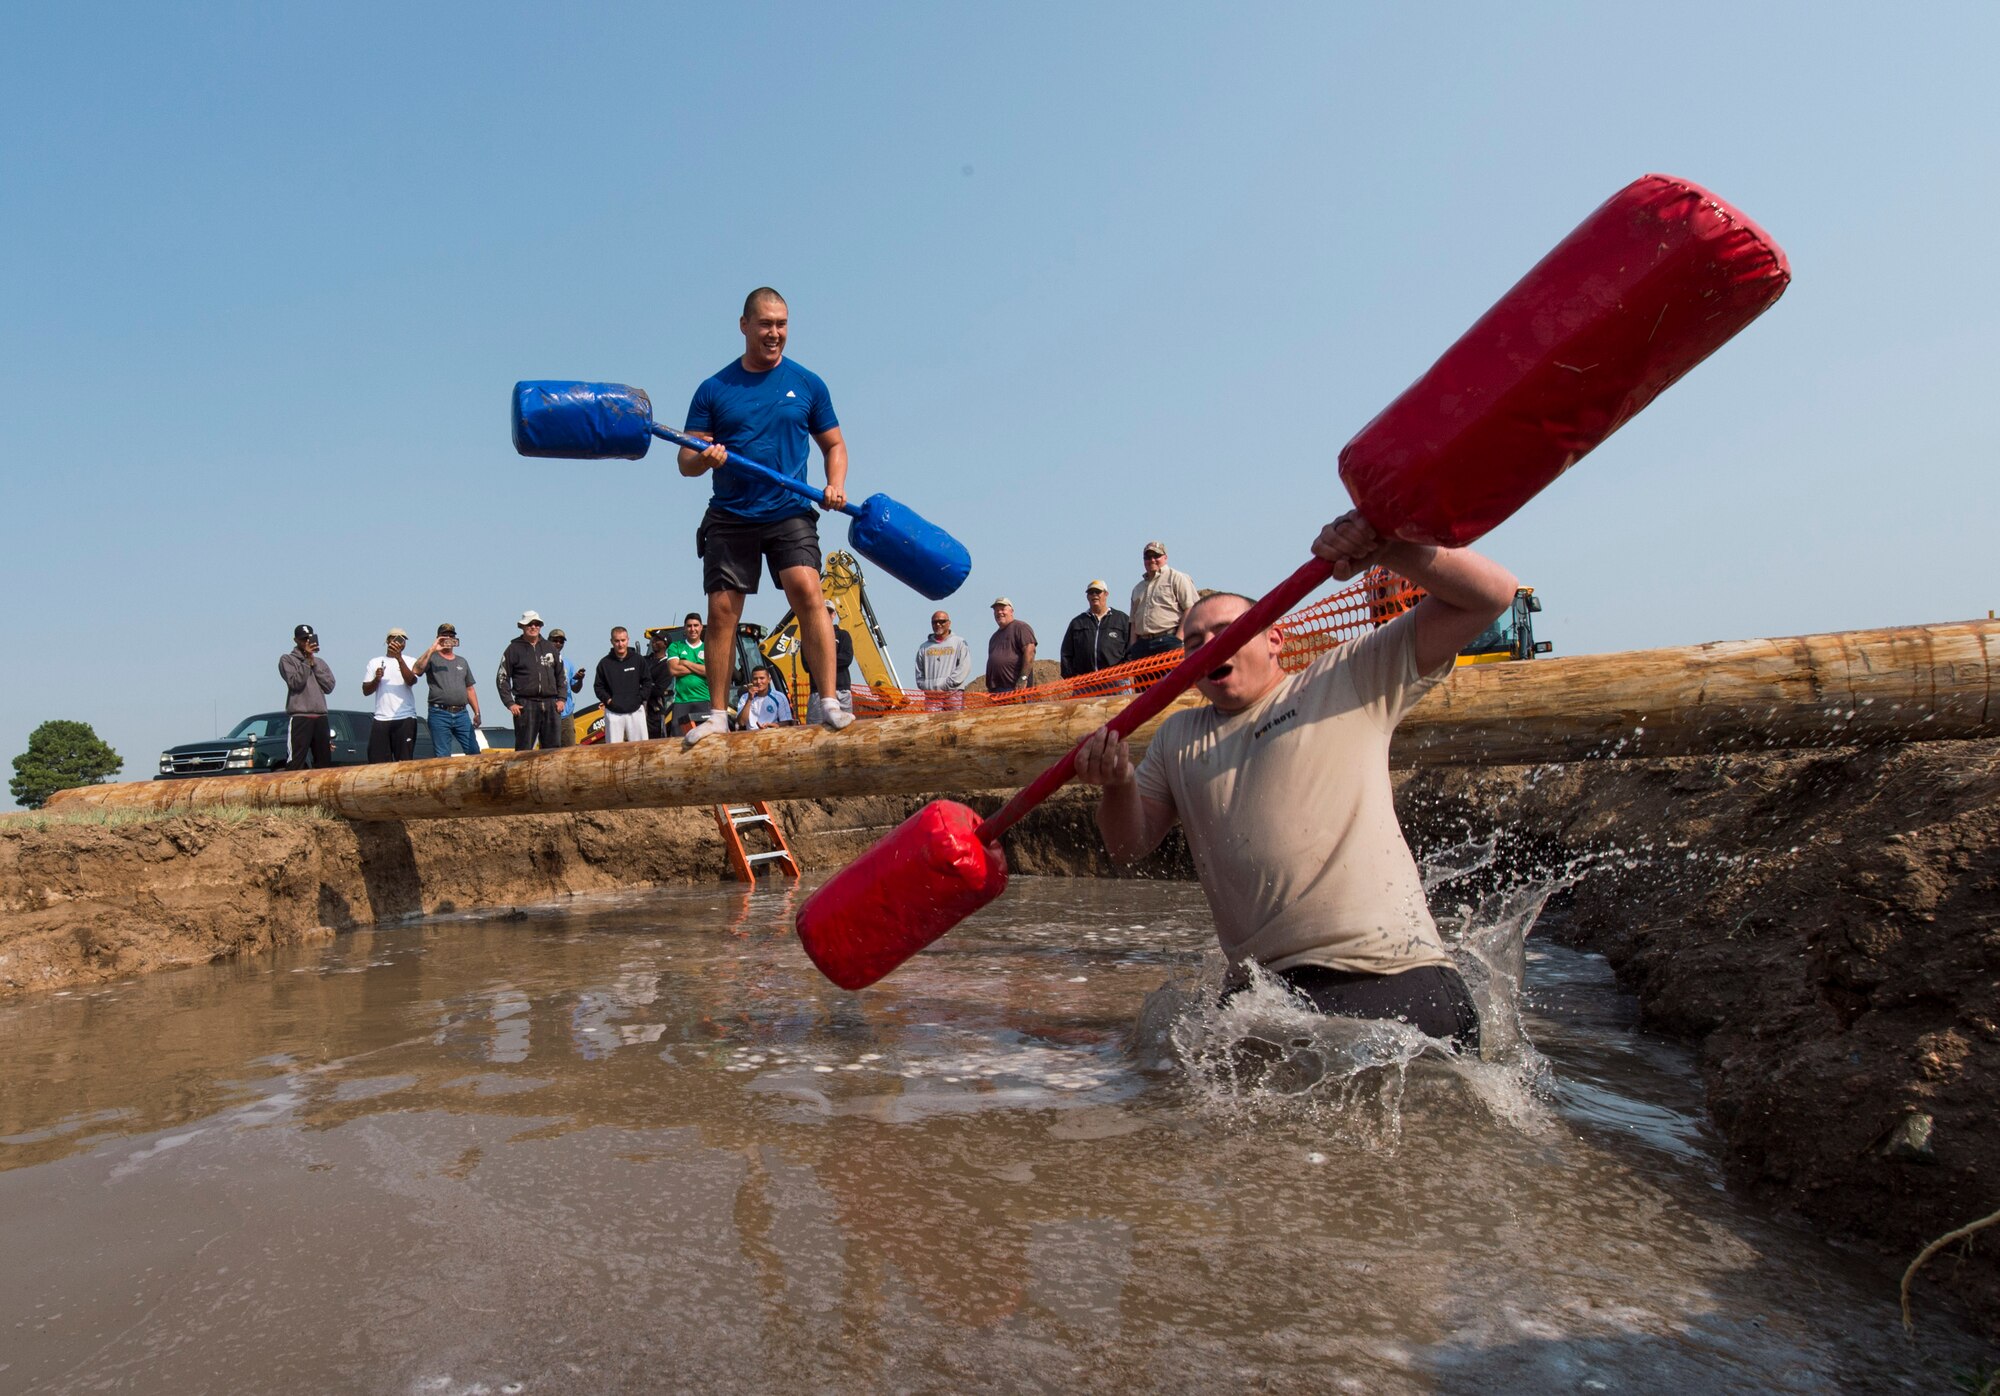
(1077, 276)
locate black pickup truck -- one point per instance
(263, 743)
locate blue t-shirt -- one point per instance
(769, 417)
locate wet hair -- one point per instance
(758, 296)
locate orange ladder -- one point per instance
(732, 820)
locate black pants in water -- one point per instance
(535, 724)
(393, 739)
(1430, 998)
(311, 742)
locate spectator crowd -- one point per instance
(665, 691)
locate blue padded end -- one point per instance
(909, 547)
(581, 421)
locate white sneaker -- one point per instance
(716, 721)
(834, 717)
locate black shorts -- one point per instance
(729, 549)
(1432, 998)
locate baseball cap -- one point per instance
(1001, 601)
(447, 628)
(1095, 584)
(1154, 549)
(396, 632)
(832, 609)
(302, 633)
(557, 635)
(529, 618)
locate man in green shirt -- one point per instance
(687, 661)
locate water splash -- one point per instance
(1263, 1052)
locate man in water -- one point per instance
(1282, 785)
(772, 410)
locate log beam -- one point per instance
(1912, 683)
(1848, 688)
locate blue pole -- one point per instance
(762, 472)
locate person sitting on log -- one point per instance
(1282, 786)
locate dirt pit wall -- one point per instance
(1825, 926)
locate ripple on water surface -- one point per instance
(637, 1143)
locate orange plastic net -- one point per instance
(1310, 631)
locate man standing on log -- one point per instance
(769, 409)
(1282, 785)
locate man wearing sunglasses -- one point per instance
(944, 666)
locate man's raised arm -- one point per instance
(1465, 591)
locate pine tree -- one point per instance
(60, 756)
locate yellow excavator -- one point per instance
(840, 580)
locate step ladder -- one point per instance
(754, 817)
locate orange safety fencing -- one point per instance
(1379, 597)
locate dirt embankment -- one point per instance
(1826, 926)
(83, 901)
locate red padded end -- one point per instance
(929, 874)
(1644, 289)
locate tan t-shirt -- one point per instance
(1290, 817)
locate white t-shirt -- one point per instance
(394, 699)
(768, 711)
(1291, 819)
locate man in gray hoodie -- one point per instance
(944, 666)
(307, 682)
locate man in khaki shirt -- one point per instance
(1164, 595)
(1282, 785)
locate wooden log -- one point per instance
(1909, 684)
(1849, 688)
(993, 749)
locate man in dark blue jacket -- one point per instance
(1096, 639)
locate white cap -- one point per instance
(529, 618)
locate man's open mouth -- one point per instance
(1218, 675)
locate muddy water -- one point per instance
(638, 1145)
